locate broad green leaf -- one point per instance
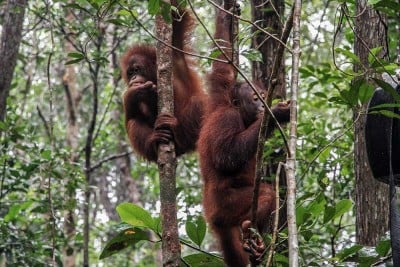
(203, 260)
(347, 252)
(300, 215)
(348, 54)
(12, 213)
(388, 88)
(135, 215)
(153, 7)
(365, 92)
(323, 157)
(196, 232)
(46, 154)
(166, 12)
(342, 207)
(383, 248)
(317, 206)
(126, 237)
(329, 213)
(372, 54)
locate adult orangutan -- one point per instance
(227, 148)
(147, 128)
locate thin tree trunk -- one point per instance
(291, 160)
(72, 138)
(371, 196)
(166, 152)
(9, 44)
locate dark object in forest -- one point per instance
(382, 138)
(227, 148)
(145, 128)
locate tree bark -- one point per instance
(371, 196)
(72, 96)
(166, 152)
(268, 14)
(291, 159)
(9, 45)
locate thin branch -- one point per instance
(107, 159)
(266, 118)
(276, 218)
(45, 123)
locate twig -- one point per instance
(276, 217)
(45, 123)
(109, 158)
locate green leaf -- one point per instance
(388, 88)
(12, 213)
(386, 113)
(329, 213)
(347, 252)
(372, 54)
(300, 215)
(383, 106)
(135, 215)
(126, 237)
(73, 61)
(342, 207)
(383, 248)
(196, 232)
(153, 7)
(203, 260)
(118, 22)
(166, 12)
(76, 55)
(365, 92)
(348, 54)
(46, 154)
(317, 206)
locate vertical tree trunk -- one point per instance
(72, 138)
(9, 45)
(166, 152)
(291, 159)
(268, 14)
(372, 206)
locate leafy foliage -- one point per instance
(42, 173)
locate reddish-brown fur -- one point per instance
(145, 128)
(227, 147)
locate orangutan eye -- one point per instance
(255, 97)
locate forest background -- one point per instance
(66, 163)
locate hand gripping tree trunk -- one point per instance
(166, 152)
